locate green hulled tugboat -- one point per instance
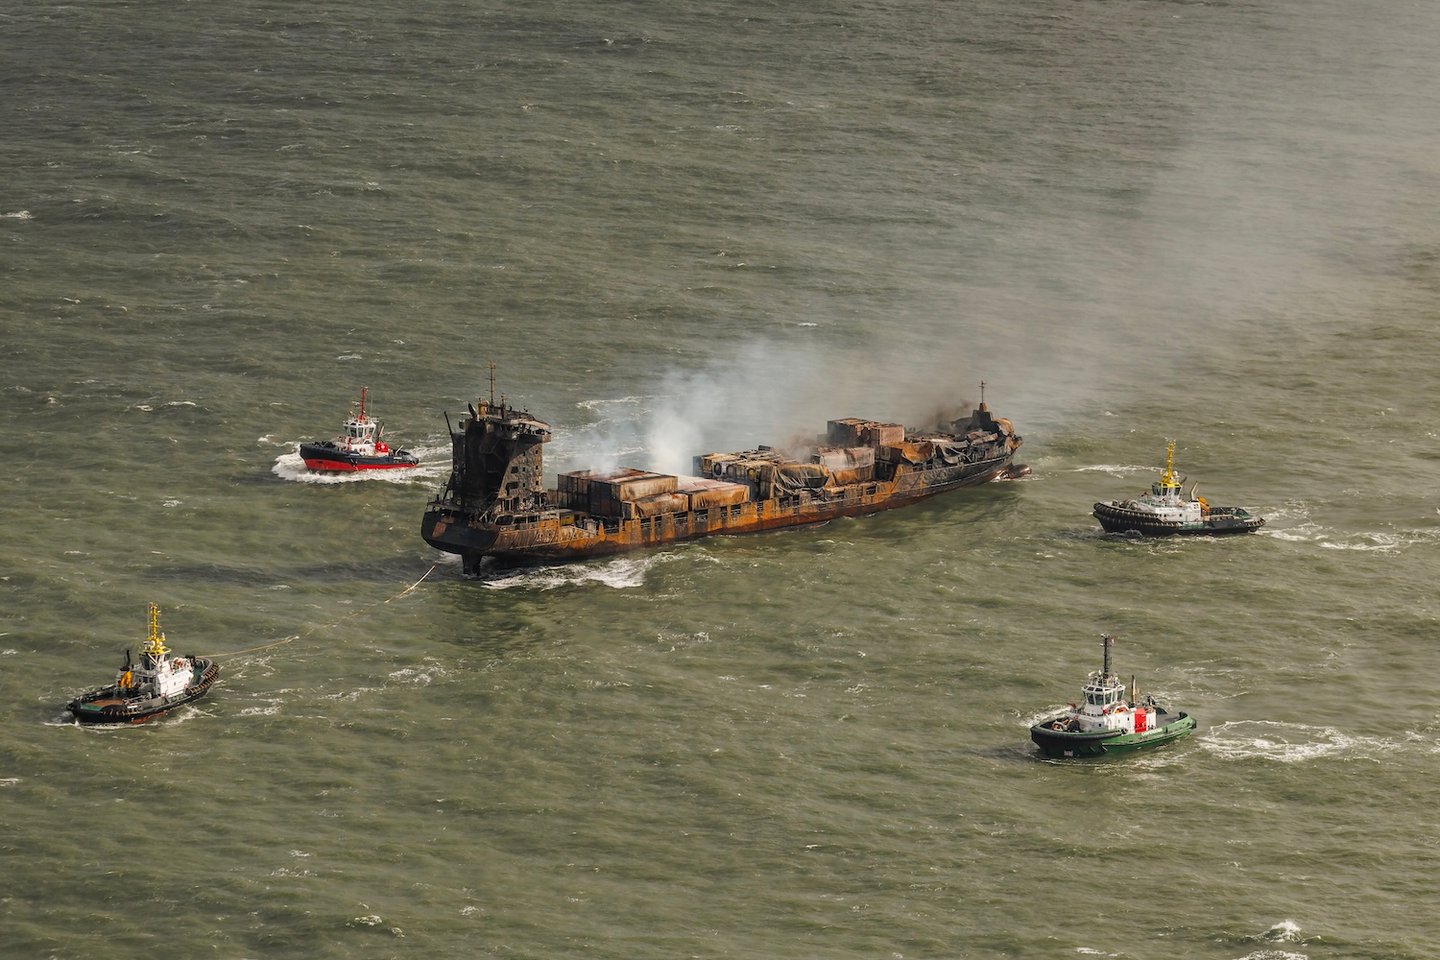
(1106, 722)
(158, 683)
(1165, 511)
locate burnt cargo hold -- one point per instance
(495, 503)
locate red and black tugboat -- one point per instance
(157, 684)
(359, 448)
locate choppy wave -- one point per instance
(150, 407)
(1380, 542)
(1286, 932)
(620, 573)
(1362, 541)
(1119, 471)
(1292, 742)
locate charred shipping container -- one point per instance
(495, 505)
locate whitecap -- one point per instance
(1304, 533)
(1382, 542)
(621, 574)
(1285, 930)
(19, 215)
(600, 404)
(1113, 469)
(416, 675)
(1291, 742)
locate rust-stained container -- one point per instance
(847, 464)
(713, 464)
(657, 504)
(875, 434)
(572, 490)
(797, 475)
(844, 433)
(909, 451)
(706, 493)
(852, 432)
(628, 483)
(846, 458)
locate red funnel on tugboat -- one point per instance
(358, 448)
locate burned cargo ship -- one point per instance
(495, 504)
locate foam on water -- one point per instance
(1292, 742)
(621, 573)
(1119, 471)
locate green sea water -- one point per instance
(677, 229)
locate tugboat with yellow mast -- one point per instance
(1165, 510)
(157, 684)
(1106, 722)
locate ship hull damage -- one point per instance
(494, 507)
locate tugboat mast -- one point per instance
(1109, 642)
(1167, 479)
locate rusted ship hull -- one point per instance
(558, 541)
(495, 505)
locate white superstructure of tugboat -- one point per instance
(1164, 510)
(156, 684)
(1107, 721)
(360, 447)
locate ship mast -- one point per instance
(155, 643)
(1167, 479)
(361, 418)
(1109, 642)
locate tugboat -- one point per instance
(1165, 511)
(158, 683)
(1108, 723)
(360, 448)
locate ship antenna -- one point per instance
(1109, 642)
(362, 403)
(982, 394)
(492, 383)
